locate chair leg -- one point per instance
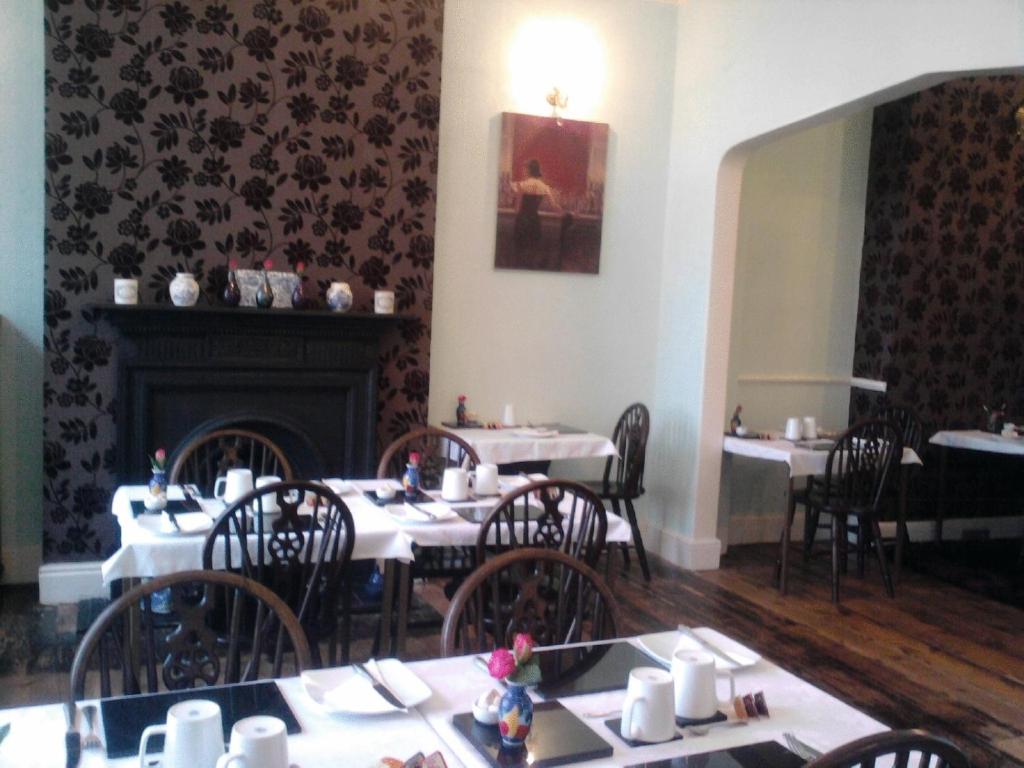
(641, 553)
(811, 520)
(837, 532)
(862, 546)
(886, 576)
(782, 564)
(624, 547)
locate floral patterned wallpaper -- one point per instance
(941, 315)
(182, 134)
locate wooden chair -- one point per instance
(438, 449)
(206, 457)
(183, 649)
(557, 599)
(303, 558)
(859, 466)
(895, 748)
(623, 479)
(579, 529)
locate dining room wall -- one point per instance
(567, 347)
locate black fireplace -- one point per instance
(307, 380)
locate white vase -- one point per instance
(339, 297)
(184, 290)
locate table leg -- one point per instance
(387, 601)
(940, 508)
(404, 588)
(786, 525)
(901, 524)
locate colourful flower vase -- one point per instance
(411, 481)
(515, 716)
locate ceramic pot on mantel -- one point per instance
(232, 295)
(339, 297)
(184, 290)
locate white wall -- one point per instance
(573, 348)
(745, 72)
(21, 287)
(794, 316)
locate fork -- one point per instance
(800, 748)
(91, 739)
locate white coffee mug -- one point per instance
(268, 501)
(455, 484)
(810, 428)
(485, 480)
(193, 736)
(257, 742)
(647, 713)
(233, 486)
(126, 290)
(694, 674)
(509, 417)
(793, 428)
(384, 302)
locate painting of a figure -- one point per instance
(550, 193)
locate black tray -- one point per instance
(557, 737)
(765, 754)
(615, 726)
(589, 668)
(398, 498)
(125, 717)
(174, 506)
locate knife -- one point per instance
(709, 646)
(430, 515)
(72, 739)
(382, 690)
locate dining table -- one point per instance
(150, 548)
(809, 458)
(535, 443)
(352, 732)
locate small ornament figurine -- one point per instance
(232, 295)
(265, 294)
(411, 478)
(460, 411)
(735, 423)
(299, 300)
(518, 668)
(156, 494)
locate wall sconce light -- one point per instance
(1019, 117)
(558, 101)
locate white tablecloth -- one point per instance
(327, 741)
(803, 462)
(976, 440)
(505, 446)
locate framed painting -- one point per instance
(551, 179)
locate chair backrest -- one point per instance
(218, 628)
(547, 593)
(206, 457)
(438, 449)
(907, 422)
(899, 749)
(630, 437)
(862, 462)
(302, 558)
(551, 514)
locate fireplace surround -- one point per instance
(307, 380)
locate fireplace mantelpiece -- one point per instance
(312, 371)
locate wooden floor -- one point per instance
(936, 657)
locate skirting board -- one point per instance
(682, 550)
(21, 563)
(71, 582)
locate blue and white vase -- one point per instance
(184, 290)
(156, 494)
(515, 716)
(339, 297)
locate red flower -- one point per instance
(268, 264)
(233, 264)
(502, 663)
(414, 457)
(462, 398)
(300, 267)
(160, 455)
(522, 647)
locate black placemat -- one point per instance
(477, 512)
(589, 669)
(398, 498)
(125, 717)
(557, 737)
(174, 506)
(765, 754)
(718, 717)
(465, 425)
(615, 726)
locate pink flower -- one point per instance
(300, 267)
(268, 263)
(462, 398)
(522, 646)
(502, 663)
(233, 264)
(414, 457)
(160, 455)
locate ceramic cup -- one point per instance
(268, 500)
(485, 480)
(455, 484)
(694, 675)
(384, 302)
(810, 428)
(192, 736)
(126, 290)
(257, 742)
(233, 486)
(793, 428)
(647, 713)
(1009, 429)
(509, 416)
